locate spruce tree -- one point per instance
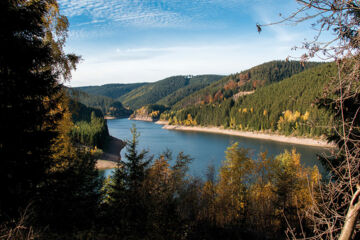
(128, 198)
(27, 87)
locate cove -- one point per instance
(205, 148)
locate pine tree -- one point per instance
(127, 195)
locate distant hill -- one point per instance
(80, 112)
(245, 81)
(167, 91)
(113, 90)
(286, 107)
(108, 106)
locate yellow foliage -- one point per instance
(263, 186)
(62, 147)
(189, 121)
(306, 116)
(154, 113)
(231, 189)
(244, 110)
(265, 112)
(159, 176)
(289, 116)
(304, 179)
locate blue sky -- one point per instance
(126, 41)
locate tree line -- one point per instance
(108, 106)
(287, 107)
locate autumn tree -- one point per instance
(335, 215)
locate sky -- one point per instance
(127, 41)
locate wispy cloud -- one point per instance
(124, 65)
(155, 13)
(147, 40)
(125, 11)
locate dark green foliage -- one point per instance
(71, 197)
(160, 91)
(108, 106)
(128, 201)
(196, 83)
(289, 99)
(117, 110)
(91, 133)
(26, 99)
(80, 112)
(248, 80)
(39, 168)
(350, 106)
(113, 90)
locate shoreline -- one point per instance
(111, 155)
(144, 119)
(257, 135)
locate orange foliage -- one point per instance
(230, 85)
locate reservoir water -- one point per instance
(205, 148)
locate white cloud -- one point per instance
(133, 12)
(152, 64)
(155, 13)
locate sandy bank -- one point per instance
(145, 119)
(109, 117)
(111, 155)
(161, 122)
(105, 164)
(265, 136)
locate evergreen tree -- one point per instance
(38, 163)
(127, 195)
(27, 103)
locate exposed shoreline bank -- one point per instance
(111, 155)
(257, 135)
(144, 119)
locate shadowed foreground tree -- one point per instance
(27, 124)
(127, 198)
(337, 205)
(38, 162)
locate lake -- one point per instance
(205, 148)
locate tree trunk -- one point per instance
(351, 217)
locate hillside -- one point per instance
(89, 129)
(108, 106)
(286, 107)
(246, 81)
(166, 91)
(110, 90)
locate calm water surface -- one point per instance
(204, 148)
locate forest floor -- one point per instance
(111, 155)
(258, 135)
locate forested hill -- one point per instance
(108, 106)
(113, 90)
(90, 129)
(245, 82)
(167, 91)
(286, 107)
